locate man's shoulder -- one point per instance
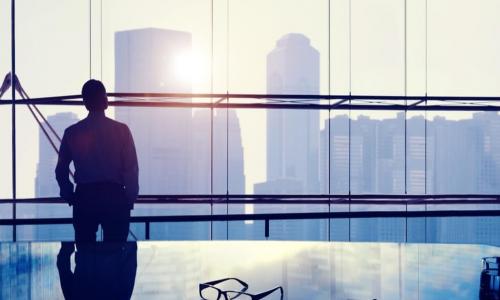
(70, 129)
(117, 124)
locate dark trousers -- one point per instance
(100, 203)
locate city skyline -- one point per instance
(377, 49)
(374, 150)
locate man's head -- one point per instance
(94, 95)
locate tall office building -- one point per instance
(146, 60)
(45, 181)
(46, 184)
(292, 135)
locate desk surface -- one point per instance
(305, 270)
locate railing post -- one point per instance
(147, 230)
(266, 229)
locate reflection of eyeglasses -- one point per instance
(208, 291)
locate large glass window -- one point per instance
(343, 47)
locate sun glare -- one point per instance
(187, 67)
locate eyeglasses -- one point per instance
(208, 291)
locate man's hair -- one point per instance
(94, 95)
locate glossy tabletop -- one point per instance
(305, 270)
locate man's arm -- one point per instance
(62, 170)
(130, 169)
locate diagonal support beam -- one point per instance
(338, 103)
(417, 103)
(220, 100)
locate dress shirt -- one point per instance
(102, 150)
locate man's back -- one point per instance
(106, 170)
(102, 151)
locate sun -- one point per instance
(187, 67)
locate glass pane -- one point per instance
(339, 155)
(162, 46)
(5, 110)
(463, 230)
(247, 230)
(339, 47)
(180, 231)
(172, 230)
(285, 57)
(377, 47)
(478, 70)
(377, 153)
(280, 161)
(165, 148)
(51, 232)
(52, 47)
(5, 121)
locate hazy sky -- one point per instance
(53, 49)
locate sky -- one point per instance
(55, 54)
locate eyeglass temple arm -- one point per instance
(265, 294)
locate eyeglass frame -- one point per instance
(223, 293)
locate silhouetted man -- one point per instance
(106, 170)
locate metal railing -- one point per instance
(406, 201)
(282, 101)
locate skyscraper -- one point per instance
(146, 60)
(45, 181)
(292, 135)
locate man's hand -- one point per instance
(69, 198)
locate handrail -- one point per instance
(279, 96)
(369, 199)
(273, 216)
(449, 103)
(267, 217)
